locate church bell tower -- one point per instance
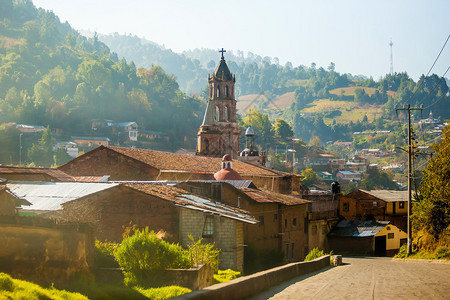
(219, 133)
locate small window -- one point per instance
(275, 217)
(208, 226)
(294, 222)
(401, 204)
(388, 228)
(324, 229)
(261, 220)
(345, 206)
(314, 230)
(390, 236)
(226, 90)
(218, 91)
(374, 203)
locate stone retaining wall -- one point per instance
(247, 286)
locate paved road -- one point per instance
(369, 278)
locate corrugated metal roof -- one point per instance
(388, 195)
(203, 204)
(50, 195)
(348, 228)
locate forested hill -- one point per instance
(51, 75)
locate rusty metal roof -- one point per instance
(183, 199)
(388, 195)
(347, 228)
(51, 195)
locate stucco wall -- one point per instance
(42, 251)
(394, 242)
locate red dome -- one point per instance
(227, 157)
(227, 174)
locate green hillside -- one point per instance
(50, 75)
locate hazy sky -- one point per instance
(354, 34)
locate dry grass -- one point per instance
(350, 91)
(349, 111)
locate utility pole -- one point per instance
(408, 108)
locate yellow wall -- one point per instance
(398, 210)
(393, 243)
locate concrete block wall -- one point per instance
(226, 237)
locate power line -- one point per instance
(442, 49)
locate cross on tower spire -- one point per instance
(222, 51)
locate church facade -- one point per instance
(219, 133)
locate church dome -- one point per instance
(249, 131)
(227, 157)
(227, 173)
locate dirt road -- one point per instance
(369, 278)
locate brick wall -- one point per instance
(104, 161)
(114, 208)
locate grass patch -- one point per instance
(19, 289)
(313, 254)
(165, 292)
(442, 252)
(226, 275)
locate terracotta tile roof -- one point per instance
(54, 173)
(187, 200)
(166, 161)
(264, 196)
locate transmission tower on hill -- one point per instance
(392, 59)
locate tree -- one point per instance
(315, 141)
(42, 152)
(432, 210)
(282, 130)
(260, 123)
(310, 177)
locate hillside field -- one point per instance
(343, 111)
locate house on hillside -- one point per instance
(282, 227)
(33, 174)
(141, 164)
(376, 238)
(91, 141)
(111, 206)
(30, 128)
(382, 205)
(348, 176)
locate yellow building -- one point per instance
(394, 236)
(377, 238)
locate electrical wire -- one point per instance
(436, 85)
(420, 84)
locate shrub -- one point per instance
(104, 254)
(313, 254)
(143, 254)
(165, 292)
(443, 252)
(203, 253)
(226, 275)
(402, 252)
